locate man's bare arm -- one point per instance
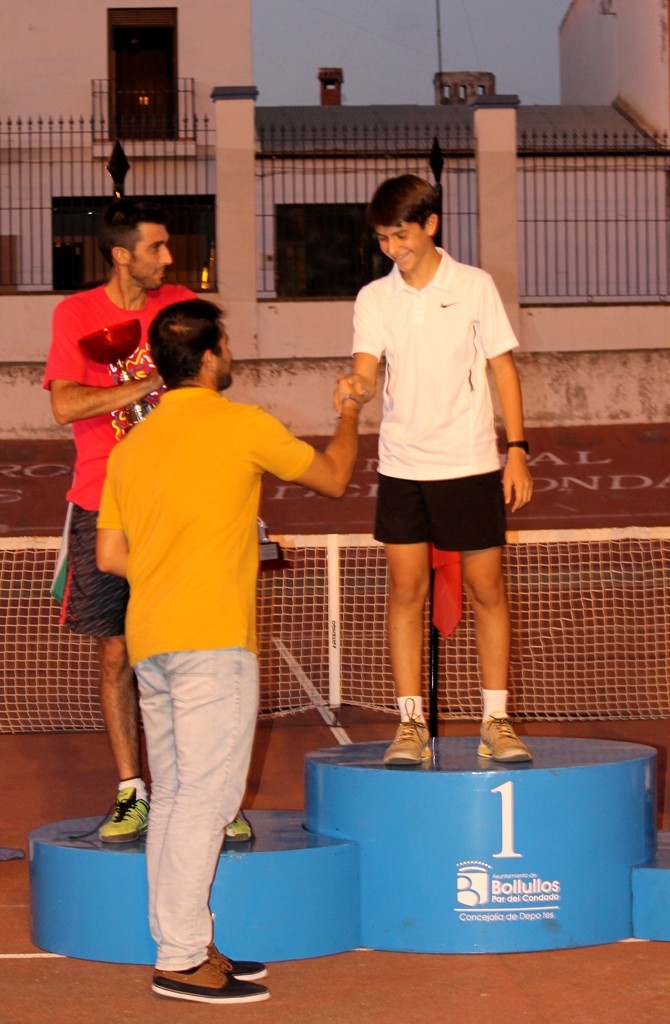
(331, 470)
(71, 401)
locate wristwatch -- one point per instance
(518, 444)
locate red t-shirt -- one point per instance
(74, 318)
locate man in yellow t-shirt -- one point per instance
(178, 519)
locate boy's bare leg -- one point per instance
(409, 581)
(484, 584)
(485, 587)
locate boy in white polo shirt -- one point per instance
(439, 323)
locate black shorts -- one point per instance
(95, 602)
(467, 514)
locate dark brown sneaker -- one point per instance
(244, 970)
(208, 983)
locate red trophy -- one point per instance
(113, 346)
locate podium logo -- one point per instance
(473, 884)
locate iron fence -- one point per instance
(593, 218)
(54, 183)
(593, 210)
(313, 184)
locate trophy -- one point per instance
(113, 346)
(269, 551)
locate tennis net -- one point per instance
(590, 618)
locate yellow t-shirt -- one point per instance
(184, 486)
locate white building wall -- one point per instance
(51, 50)
(588, 54)
(616, 51)
(559, 389)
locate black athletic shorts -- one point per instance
(467, 514)
(95, 602)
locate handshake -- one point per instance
(351, 388)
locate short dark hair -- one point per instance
(120, 224)
(406, 199)
(179, 336)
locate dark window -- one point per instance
(324, 250)
(9, 263)
(143, 73)
(77, 263)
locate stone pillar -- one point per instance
(236, 215)
(496, 162)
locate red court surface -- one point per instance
(585, 477)
(56, 776)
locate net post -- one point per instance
(334, 624)
(433, 665)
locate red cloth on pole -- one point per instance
(447, 589)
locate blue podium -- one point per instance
(651, 894)
(289, 896)
(496, 858)
(459, 855)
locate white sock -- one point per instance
(136, 784)
(495, 703)
(410, 707)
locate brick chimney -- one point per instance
(331, 86)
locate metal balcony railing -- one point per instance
(153, 112)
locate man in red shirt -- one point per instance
(133, 239)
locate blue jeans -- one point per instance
(199, 712)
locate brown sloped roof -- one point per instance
(348, 130)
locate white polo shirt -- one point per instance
(438, 420)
